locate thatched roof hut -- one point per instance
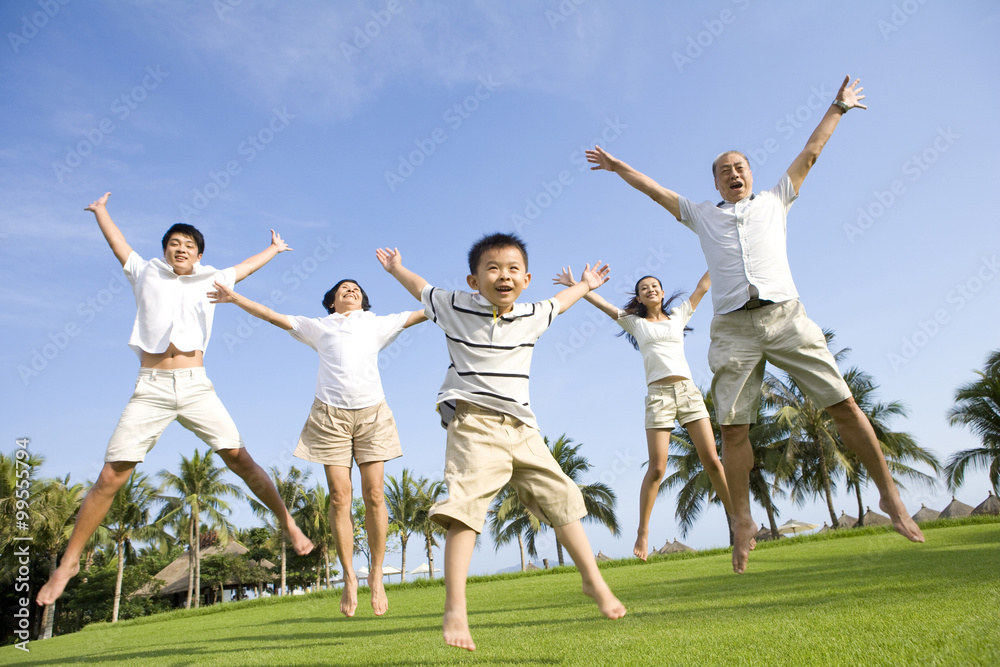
(925, 514)
(673, 548)
(175, 575)
(875, 519)
(989, 506)
(845, 521)
(956, 509)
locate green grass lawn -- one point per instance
(868, 597)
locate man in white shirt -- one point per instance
(172, 326)
(758, 316)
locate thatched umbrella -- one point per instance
(825, 529)
(875, 519)
(925, 514)
(601, 557)
(531, 566)
(674, 547)
(845, 521)
(765, 534)
(956, 509)
(989, 506)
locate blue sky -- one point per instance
(352, 125)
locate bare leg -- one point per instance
(575, 540)
(92, 512)
(458, 547)
(240, 462)
(857, 433)
(376, 525)
(338, 478)
(737, 458)
(657, 442)
(703, 438)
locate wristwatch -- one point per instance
(843, 107)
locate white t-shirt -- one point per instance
(172, 308)
(744, 244)
(348, 347)
(490, 354)
(660, 343)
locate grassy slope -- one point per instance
(871, 598)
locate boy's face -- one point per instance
(501, 277)
(181, 254)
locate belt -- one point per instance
(753, 304)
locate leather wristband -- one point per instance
(841, 105)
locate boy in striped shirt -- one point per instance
(493, 437)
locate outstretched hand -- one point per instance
(221, 294)
(601, 158)
(100, 203)
(597, 276)
(851, 94)
(564, 277)
(277, 242)
(389, 258)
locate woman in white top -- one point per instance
(350, 419)
(657, 331)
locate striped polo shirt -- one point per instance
(490, 354)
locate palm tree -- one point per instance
(899, 448)
(598, 497)
(55, 505)
(510, 519)
(292, 491)
(977, 405)
(201, 488)
(430, 491)
(128, 518)
(314, 519)
(402, 498)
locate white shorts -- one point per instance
(160, 397)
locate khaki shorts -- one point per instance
(160, 397)
(488, 449)
(681, 401)
(781, 334)
(333, 436)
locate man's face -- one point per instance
(181, 254)
(347, 299)
(733, 179)
(501, 277)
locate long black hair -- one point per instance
(636, 307)
(329, 296)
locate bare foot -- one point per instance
(901, 521)
(380, 603)
(349, 598)
(641, 548)
(54, 587)
(456, 630)
(300, 542)
(753, 542)
(606, 601)
(743, 531)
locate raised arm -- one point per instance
(590, 280)
(113, 235)
(700, 290)
(251, 264)
(416, 317)
(848, 97)
(668, 199)
(565, 277)
(392, 261)
(223, 294)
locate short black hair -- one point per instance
(186, 230)
(328, 298)
(493, 242)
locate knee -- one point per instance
(340, 499)
(374, 496)
(656, 471)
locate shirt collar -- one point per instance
(517, 310)
(724, 202)
(199, 268)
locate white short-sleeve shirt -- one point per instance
(490, 354)
(348, 347)
(744, 244)
(661, 343)
(172, 308)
